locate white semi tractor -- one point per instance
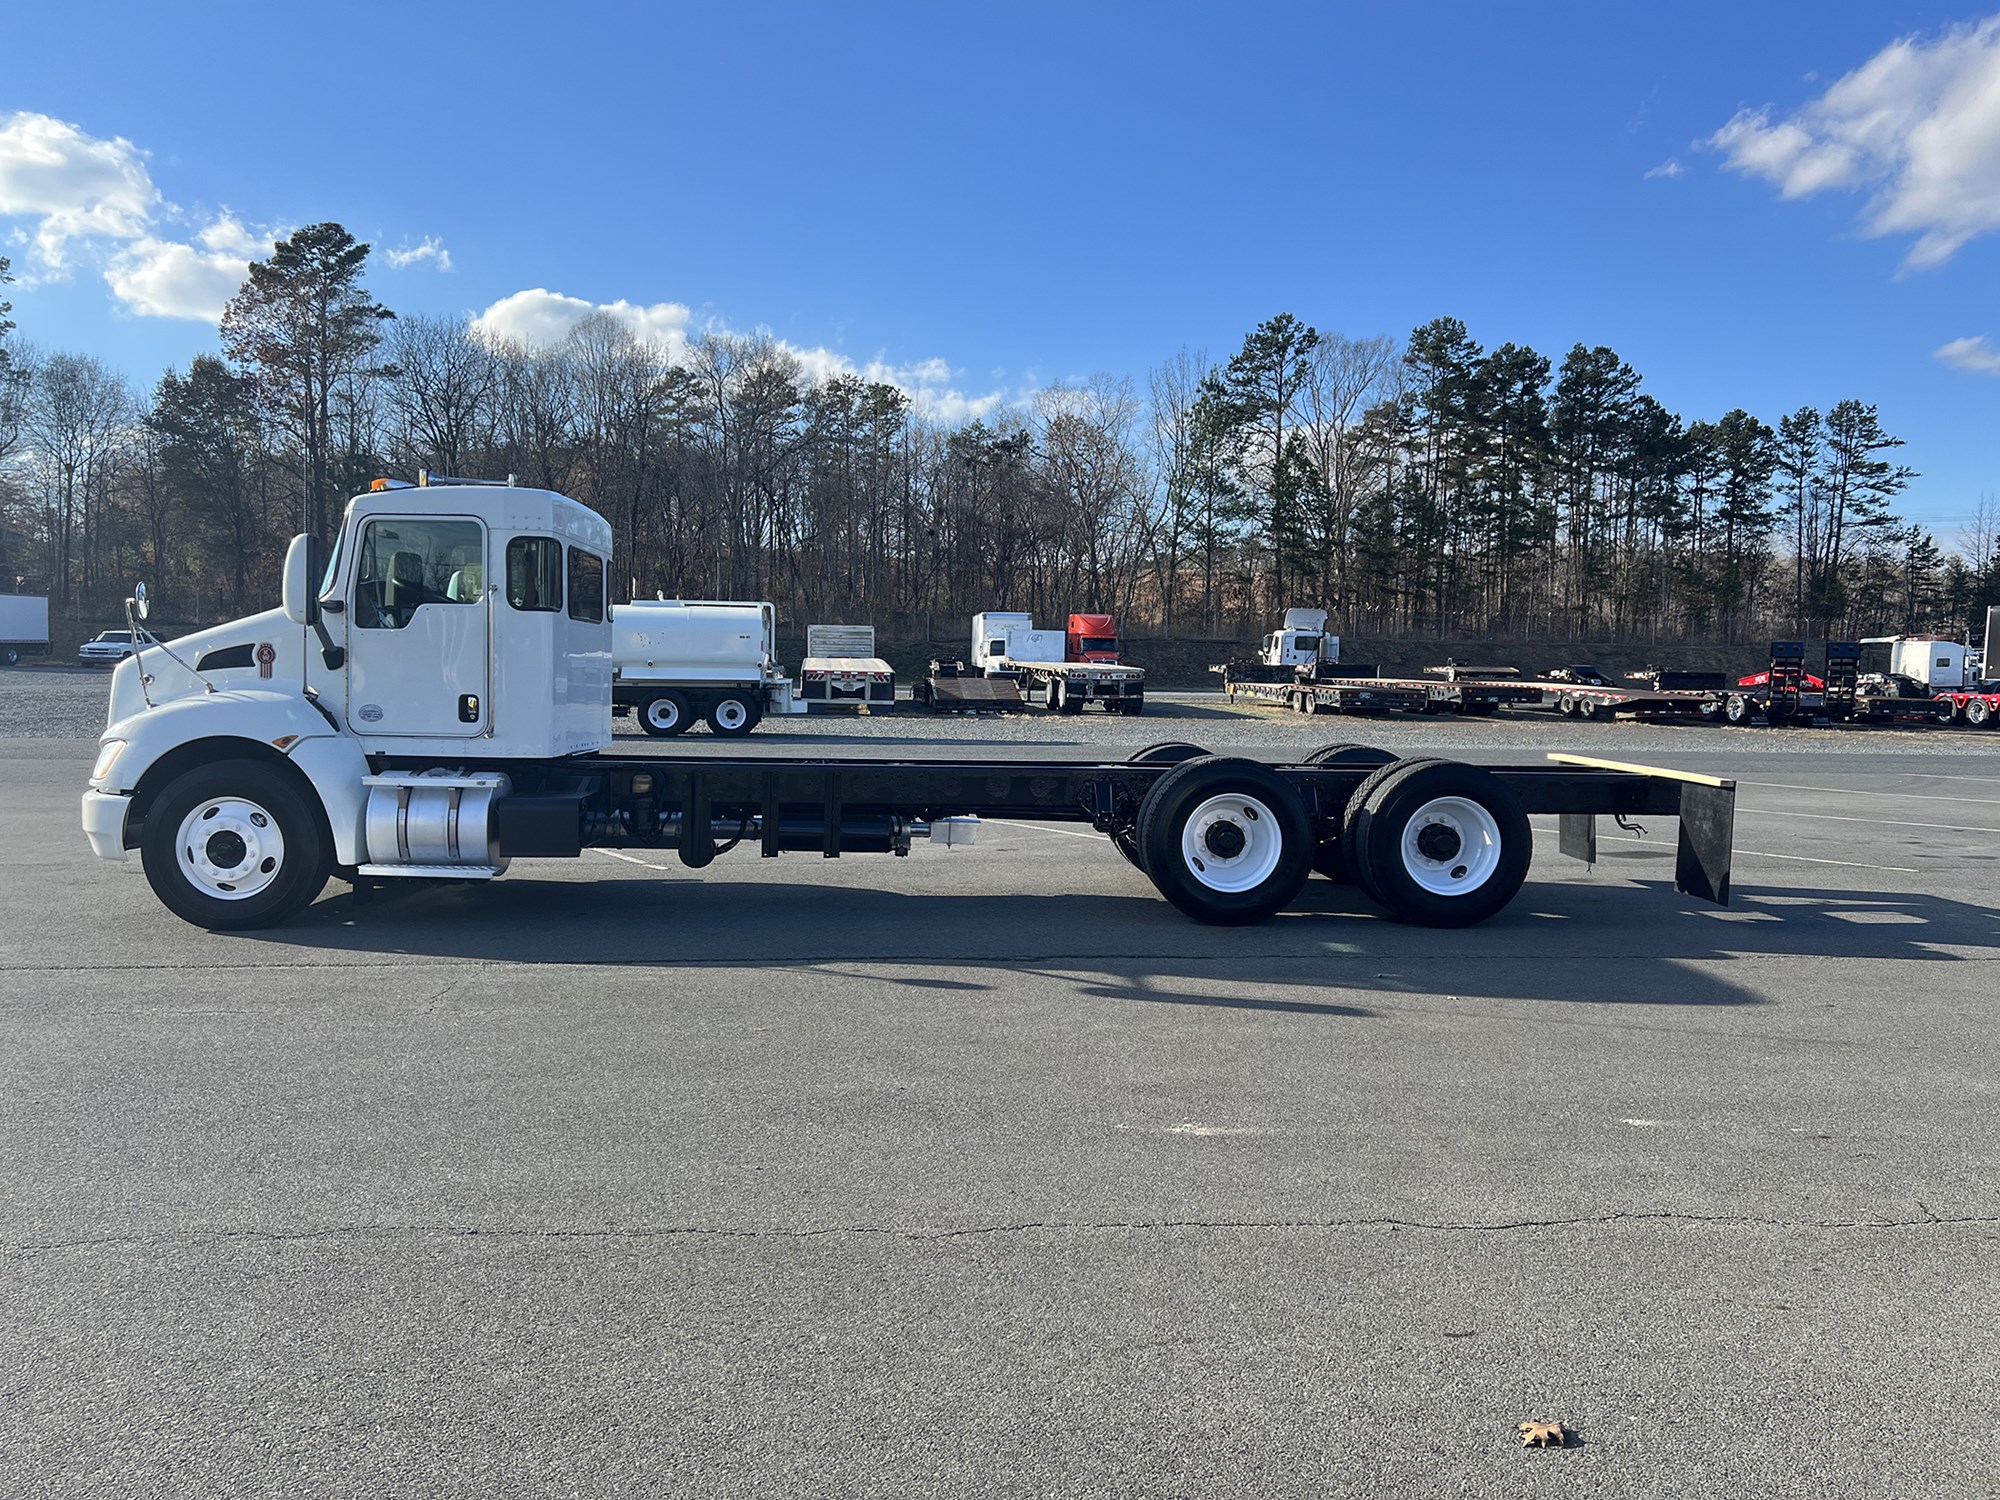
(675, 662)
(437, 701)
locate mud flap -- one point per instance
(1576, 836)
(1708, 823)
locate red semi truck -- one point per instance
(1091, 638)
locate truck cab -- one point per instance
(1916, 665)
(1091, 637)
(990, 630)
(1301, 643)
(457, 626)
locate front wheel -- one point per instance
(1226, 840)
(1979, 713)
(1946, 711)
(235, 845)
(10, 656)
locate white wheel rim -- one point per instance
(1207, 843)
(1458, 860)
(663, 713)
(230, 848)
(730, 714)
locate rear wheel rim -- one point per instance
(731, 714)
(1232, 843)
(663, 713)
(1451, 846)
(230, 848)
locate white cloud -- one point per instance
(156, 278)
(74, 184)
(430, 248)
(1974, 354)
(539, 318)
(1667, 168)
(1918, 125)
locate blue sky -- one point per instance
(1026, 193)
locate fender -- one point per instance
(275, 724)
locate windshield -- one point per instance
(1099, 643)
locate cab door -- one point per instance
(419, 636)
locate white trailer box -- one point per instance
(24, 626)
(1044, 647)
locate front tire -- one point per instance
(1226, 840)
(665, 714)
(1979, 713)
(1439, 843)
(235, 845)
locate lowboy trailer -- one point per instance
(441, 737)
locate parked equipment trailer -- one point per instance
(841, 668)
(1651, 695)
(247, 762)
(1333, 695)
(952, 687)
(676, 661)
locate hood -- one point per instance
(227, 656)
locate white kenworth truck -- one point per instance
(437, 701)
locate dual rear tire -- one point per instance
(1230, 842)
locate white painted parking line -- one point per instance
(1068, 833)
(1804, 859)
(630, 859)
(1772, 812)
(1855, 791)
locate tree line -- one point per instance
(1429, 486)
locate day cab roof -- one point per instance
(504, 508)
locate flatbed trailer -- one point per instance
(1065, 687)
(1580, 701)
(1344, 695)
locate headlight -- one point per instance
(107, 757)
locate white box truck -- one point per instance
(24, 627)
(674, 661)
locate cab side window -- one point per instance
(586, 586)
(535, 573)
(406, 564)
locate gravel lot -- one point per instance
(69, 703)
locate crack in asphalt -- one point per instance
(1927, 1220)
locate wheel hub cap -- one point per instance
(1224, 840)
(230, 848)
(1438, 841)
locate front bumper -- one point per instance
(104, 823)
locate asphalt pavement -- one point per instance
(985, 1172)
